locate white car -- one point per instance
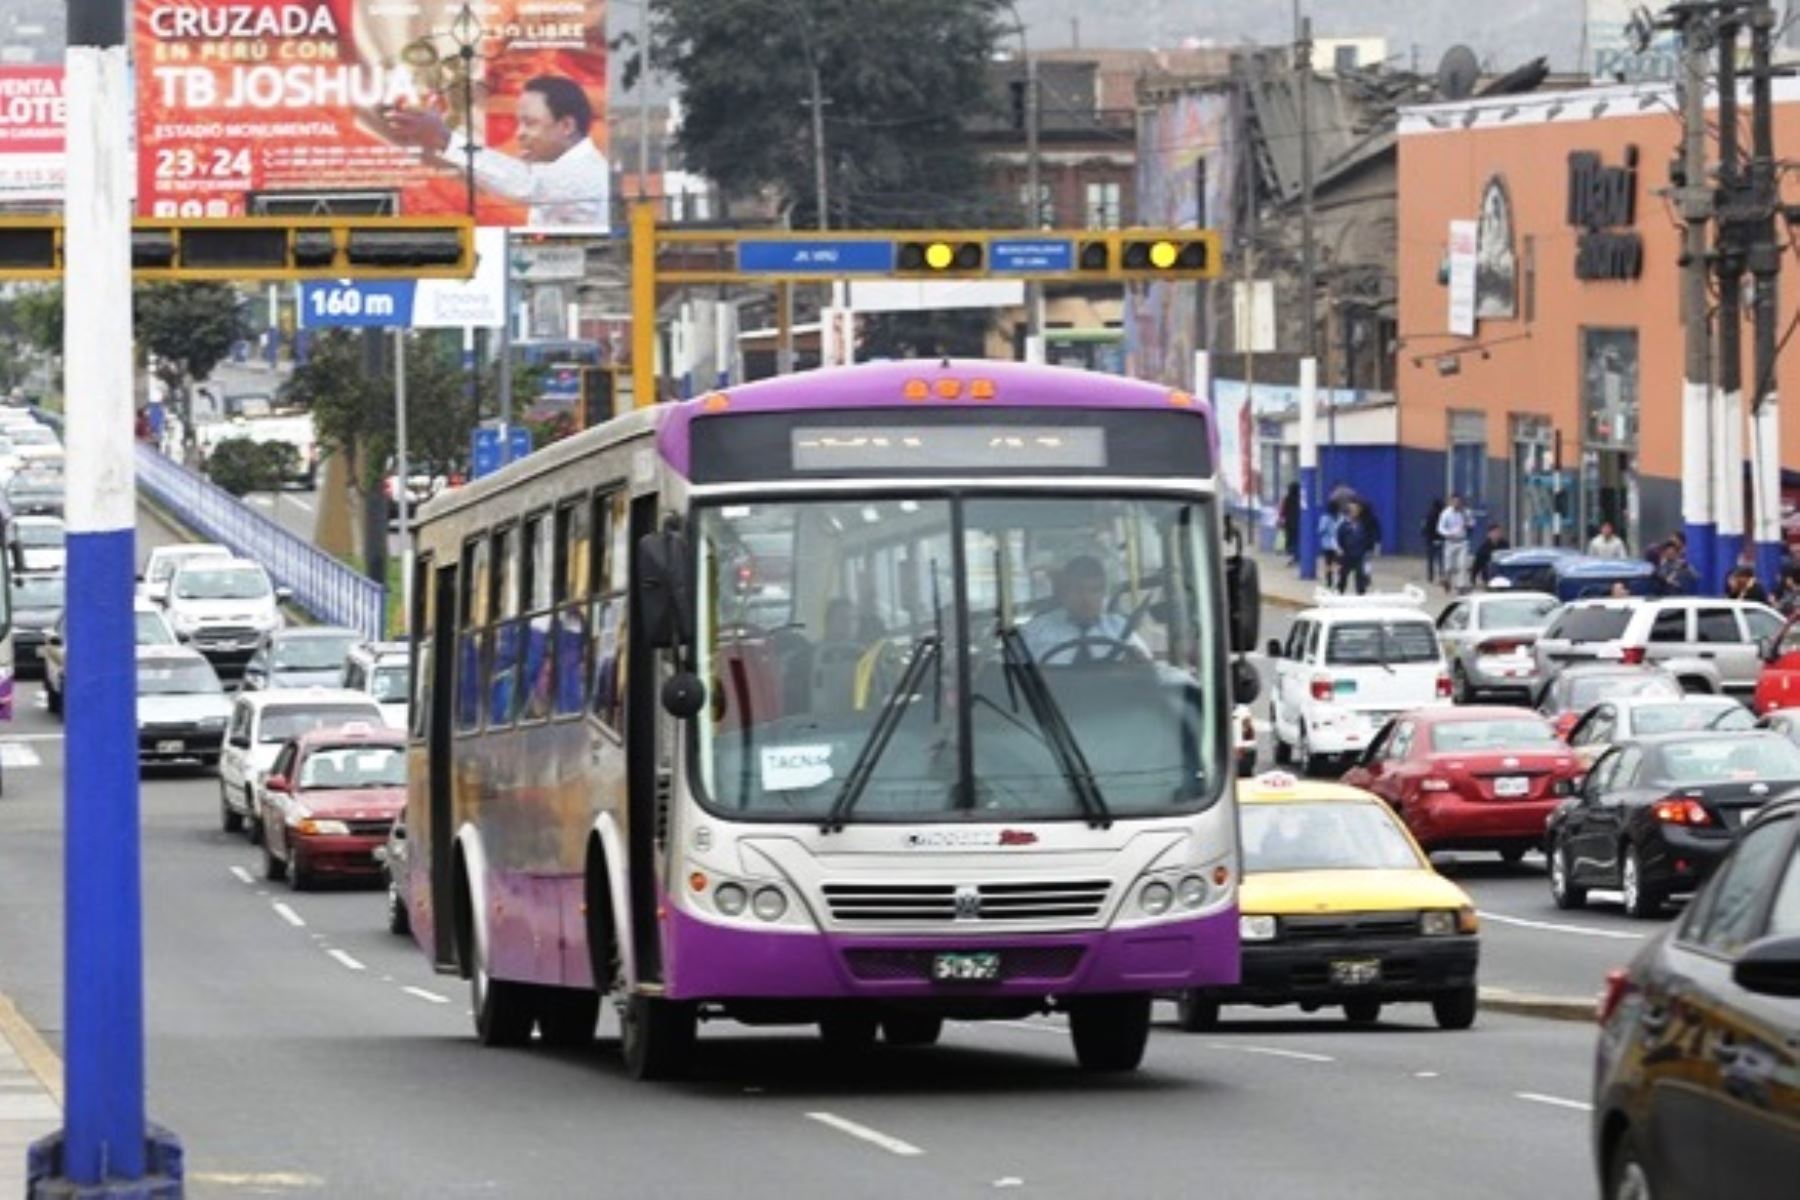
(160, 567)
(260, 723)
(38, 544)
(224, 607)
(1349, 665)
(181, 706)
(151, 629)
(26, 434)
(379, 669)
(1709, 644)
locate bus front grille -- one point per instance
(930, 903)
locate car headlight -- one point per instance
(185, 622)
(1156, 897)
(1444, 922)
(1256, 928)
(731, 899)
(324, 828)
(769, 904)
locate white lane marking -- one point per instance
(1024, 1026)
(422, 994)
(874, 1137)
(1010, 1181)
(306, 504)
(242, 875)
(1620, 935)
(14, 755)
(34, 737)
(346, 960)
(1425, 1074)
(1554, 1101)
(1273, 1052)
(289, 915)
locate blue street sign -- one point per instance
(485, 456)
(815, 257)
(357, 304)
(1027, 255)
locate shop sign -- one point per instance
(1603, 205)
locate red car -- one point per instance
(1778, 686)
(329, 801)
(1470, 778)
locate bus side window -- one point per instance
(504, 638)
(609, 660)
(473, 585)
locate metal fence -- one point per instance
(328, 589)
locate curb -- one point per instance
(1547, 1008)
(31, 1048)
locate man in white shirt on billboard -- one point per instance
(559, 172)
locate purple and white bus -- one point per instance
(863, 698)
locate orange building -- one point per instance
(1540, 352)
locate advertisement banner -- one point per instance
(243, 102)
(1613, 54)
(1464, 238)
(31, 133)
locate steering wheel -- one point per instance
(1112, 649)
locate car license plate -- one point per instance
(172, 747)
(1512, 785)
(965, 968)
(1355, 972)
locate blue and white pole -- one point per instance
(1771, 550)
(1310, 500)
(1728, 478)
(105, 1147)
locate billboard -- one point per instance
(1612, 54)
(31, 134)
(244, 102)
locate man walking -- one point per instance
(1453, 527)
(1356, 541)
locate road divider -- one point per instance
(1527, 1004)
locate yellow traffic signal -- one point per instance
(1170, 256)
(941, 257)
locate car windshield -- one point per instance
(354, 767)
(1075, 643)
(152, 630)
(33, 435)
(1509, 733)
(37, 534)
(280, 724)
(38, 591)
(389, 685)
(33, 489)
(177, 679)
(1598, 624)
(1730, 760)
(1589, 690)
(1520, 612)
(221, 583)
(314, 652)
(1372, 643)
(1690, 714)
(1323, 837)
(166, 565)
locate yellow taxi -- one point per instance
(1339, 906)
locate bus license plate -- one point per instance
(965, 968)
(1355, 972)
(1512, 785)
(174, 747)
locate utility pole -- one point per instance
(1034, 183)
(1303, 48)
(1765, 267)
(1696, 213)
(106, 1148)
(1730, 211)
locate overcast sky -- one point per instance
(1502, 36)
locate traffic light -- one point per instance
(1169, 256)
(1095, 257)
(261, 248)
(941, 257)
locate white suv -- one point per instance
(261, 722)
(1349, 665)
(1709, 644)
(223, 607)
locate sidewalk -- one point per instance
(30, 1089)
(1282, 586)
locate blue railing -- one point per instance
(328, 589)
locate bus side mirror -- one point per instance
(662, 591)
(1243, 583)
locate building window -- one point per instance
(1046, 205)
(1103, 206)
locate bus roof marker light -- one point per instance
(1181, 399)
(916, 389)
(715, 402)
(981, 389)
(949, 389)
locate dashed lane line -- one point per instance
(346, 960)
(1620, 935)
(423, 994)
(874, 1137)
(289, 915)
(1273, 1052)
(1554, 1101)
(243, 876)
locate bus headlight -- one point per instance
(769, 904)
(1155, 898)
(731, 899)
(1256, 928)
(1191, 891)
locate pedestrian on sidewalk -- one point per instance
(1608, 544)
(1742, 584)
(1329, 522)
(1788, 601)
(1434, 541)
(1357, 538)
(1289, 514)
(1675, 576)
(1453, 527)
(1492, 544)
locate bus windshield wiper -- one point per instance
(1056, 729)
(926, 652)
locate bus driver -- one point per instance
(1079, 629)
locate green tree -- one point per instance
(353, 407)
(38, 317)
(242, 466)
(900, 78)
(190, 328)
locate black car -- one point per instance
(303, 656)
(1697, 1079)
(1656, 814)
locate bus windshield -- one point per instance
(982, 658)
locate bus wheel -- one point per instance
(1110, 1032)
(912, 1029)
(504, 1010)
(566, 1016)
(849, 1030)
(1194, 1014)
(656, 1036)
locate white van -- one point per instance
(261, 722)
(223, 607)
(1349, 665)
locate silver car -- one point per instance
(1489, 640)
(181, 706)
(1621, 718)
